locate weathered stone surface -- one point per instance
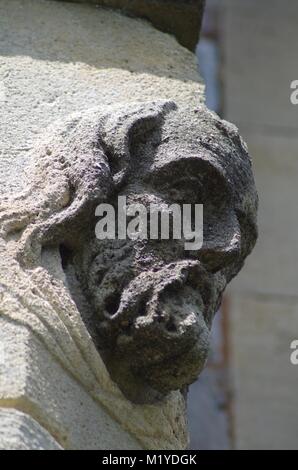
(48, 70)
(150, 304)
(179, 17)
(34, 382)
(110, 131)
(19, 431)
(57, 58)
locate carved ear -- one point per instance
(123, 124)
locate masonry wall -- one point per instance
(259, 46)
(182, 18)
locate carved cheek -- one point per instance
(222, 240)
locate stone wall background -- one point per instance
(259, 61)
(255, 405)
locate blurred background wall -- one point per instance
(259, 61)
(254, 44)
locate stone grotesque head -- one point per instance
(147, 304)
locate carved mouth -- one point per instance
(169, 300)
(159, 333)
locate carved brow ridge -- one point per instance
(209, 164)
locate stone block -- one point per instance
(182, 18)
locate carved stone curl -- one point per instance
(148, 305)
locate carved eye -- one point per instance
(190, 191)
(189, 180)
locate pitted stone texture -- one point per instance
(149, 304)
(51, 370)
(179, 17)
(58, 58)
(117, 123)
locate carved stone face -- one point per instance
(151, 302)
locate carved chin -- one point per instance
(170, 346)
(158, 337)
